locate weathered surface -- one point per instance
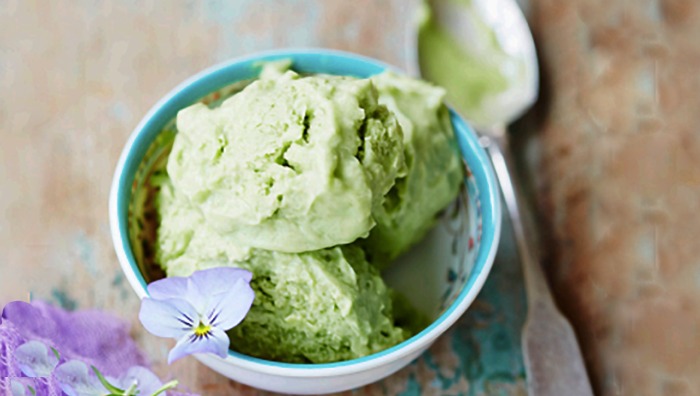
(620, 178)
(614, 161)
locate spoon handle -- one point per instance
(553, 362)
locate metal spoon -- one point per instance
(553, 361)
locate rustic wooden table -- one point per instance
(611, 154)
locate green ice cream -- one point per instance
(434, 167)
(291, 163)
(309, 183)
(320, 306)
(470, 77)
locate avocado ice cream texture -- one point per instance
(312, 183)
(320, 306)
(434, 166)
(289, 164)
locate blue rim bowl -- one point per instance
(304, 61)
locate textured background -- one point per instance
(619, 178)
(611, 154)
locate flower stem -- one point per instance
(131, 391)
(169, 385)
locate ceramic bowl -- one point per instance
(441, 276)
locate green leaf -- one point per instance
(169, 385)
(31, 390)
(111, 388)
(55, 352)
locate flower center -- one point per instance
(202, 329)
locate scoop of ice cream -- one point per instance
(290, 163)
(435, 171)
(321, 306)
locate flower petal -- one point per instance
(169, 318)
(28, 319)
(214, 281)
(35, 359)
(146, 382)
(215, 284)
(18, 309)
(75, 380)
(230, 308)
(17, 388)
(168, 288)
(216, 342)
(178, 288)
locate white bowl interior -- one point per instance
(433, 273)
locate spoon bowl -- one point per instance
(484, 54)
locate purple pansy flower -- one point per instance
(35, 359)
(198, 310)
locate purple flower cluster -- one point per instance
(45, 350)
